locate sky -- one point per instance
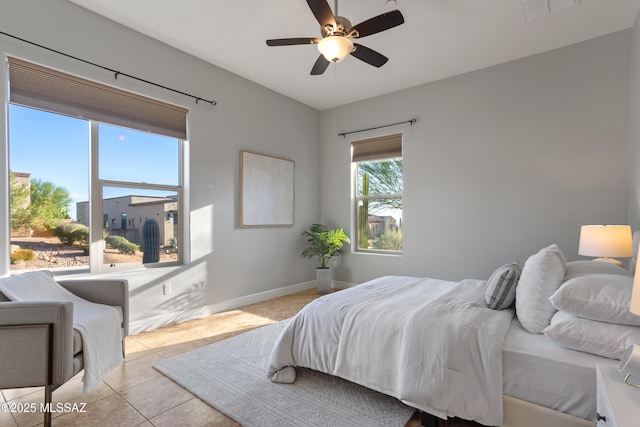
(55, 148)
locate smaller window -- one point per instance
(379, 188)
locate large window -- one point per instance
(95, 178)
(378, 189)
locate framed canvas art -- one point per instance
(266, 190)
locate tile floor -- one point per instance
(136, 394)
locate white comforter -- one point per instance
(431, 343)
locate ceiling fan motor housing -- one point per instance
(343, 25)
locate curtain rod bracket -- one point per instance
(410, 121)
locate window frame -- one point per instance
(96, 185)
(96, 242)
(357, 198)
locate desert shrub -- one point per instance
(172, 243)
(390, 240)
(122, 245)
(71, 233)
(114, 241)
(22, 255)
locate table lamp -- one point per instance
(606, 242)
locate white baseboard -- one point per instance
(170, 317)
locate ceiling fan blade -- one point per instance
(379, 23)
(322, 11)
(293, 41)
(369, 56)
(320, 66)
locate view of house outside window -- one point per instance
(379, 205)
(52, 203)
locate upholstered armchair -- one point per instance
(38, 345)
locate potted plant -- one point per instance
(324, 244)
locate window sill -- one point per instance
(377, 252)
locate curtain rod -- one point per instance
(344, 134)
(116, 73)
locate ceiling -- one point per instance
(439, 39)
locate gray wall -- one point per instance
(230, 266)
(634, 129)
(502, 161)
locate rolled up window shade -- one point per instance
(34, 86)
(385, 147)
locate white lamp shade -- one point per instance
(335, 48)
(605, 241)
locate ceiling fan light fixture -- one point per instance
(335, 48)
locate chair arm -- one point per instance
(23, 350)
(102, 291)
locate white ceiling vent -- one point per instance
(537, 8)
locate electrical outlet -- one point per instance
(166, 288)
(335, 263)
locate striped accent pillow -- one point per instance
(501, 286)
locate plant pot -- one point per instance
(323, 280)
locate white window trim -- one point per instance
(97, 244)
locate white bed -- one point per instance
(540, 379)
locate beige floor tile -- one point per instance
(162, 338)
(31, 415)
(6, 419)
(210, 327)
(132, 373)
(193, 413)
(71, 392)
(174, 350)
(15, 393)
(110, 411)
(134, 349)
(250, 319)
(156, 396)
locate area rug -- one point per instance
(230, 375)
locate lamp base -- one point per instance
(610, 261)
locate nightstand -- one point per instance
(618, 403)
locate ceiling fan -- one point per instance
(337, 34)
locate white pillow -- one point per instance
(501, 286)
(542, 275)
(561, 257)
(583, 267)
(603, 297)
(589, 336)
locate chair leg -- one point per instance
(123, 356)
(47, 402)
